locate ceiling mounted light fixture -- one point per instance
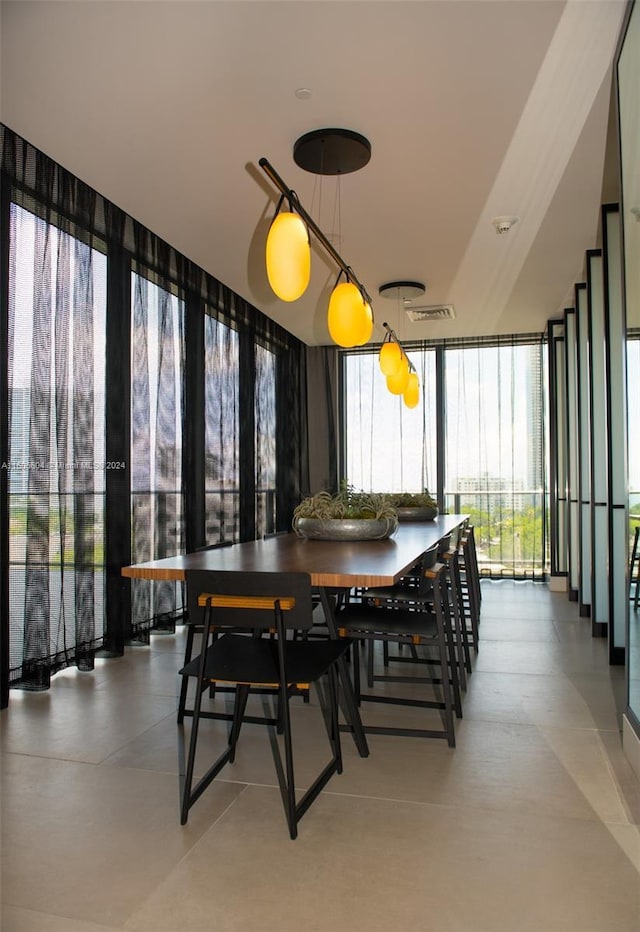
(503, 224)
(406, 291)
(323, 152)
(288, 252)
(402, 378)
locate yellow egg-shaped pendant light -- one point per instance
(411, 394)
(366, 325)
(288, 256)
(397, 382)
(347, 317)
(390, 358)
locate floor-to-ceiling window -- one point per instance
(486, 399)
(56, 465)
(265, 440)
(149, 409)
(157, 366)
(495, 452)
(389, 447)
(222, 455)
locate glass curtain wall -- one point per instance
(633, 435)
(56, 464)
(490, 397)
(265, 441)
(389, 447)
(148, 410)
(157, 372)
(222, 455)
(495, 464)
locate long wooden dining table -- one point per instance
(331, 565)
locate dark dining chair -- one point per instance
(241, 608)
(193, 628)
(471, 594)
(416, 616)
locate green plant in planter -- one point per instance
(412, 500)
(347, 505)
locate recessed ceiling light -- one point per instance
(303, 93)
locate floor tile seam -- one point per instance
(500, 811)
(136, 737)
(595, 728)
(46, 914)
(592, 673)
(188, 853)
(44, 757)
(145, 692)
(614, 779)
(507, 619)
(540, 724)
(564, 673)
(487, 639)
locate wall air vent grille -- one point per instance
(433, 312)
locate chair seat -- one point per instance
(238, 658)
(394, 594)
(418, 622)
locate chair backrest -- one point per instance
(428, 561)
(294, 589)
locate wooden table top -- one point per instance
(329, 563)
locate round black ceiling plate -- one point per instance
(332, 151)
(406, 290)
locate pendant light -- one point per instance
(398, 382)
(288, 254)
(402, 378)
(322, 152)
(411, 394)
(350, 319)
(390, 356)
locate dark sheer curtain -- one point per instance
(495, 454)
(149, 410)
(222, 420)
(486, 399)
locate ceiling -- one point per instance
(474, 109)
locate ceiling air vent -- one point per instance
(434, 312)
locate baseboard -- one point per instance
(585, 610)
(599, 629)
(558, 583)
(631, 744)
(573, 595)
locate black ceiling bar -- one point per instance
(270, 171)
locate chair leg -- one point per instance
(240, 705)
(445, 661)
(334, 737)
(349, 703)
(450, 671)
(288, 791)
(460, 619)
(188, 650)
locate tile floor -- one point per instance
(532, 824)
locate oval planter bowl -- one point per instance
(345, 528)
(416, 513)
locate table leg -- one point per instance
(347, 696)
